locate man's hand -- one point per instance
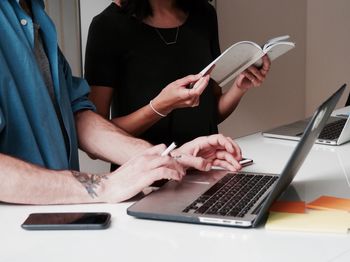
(139, 173)
(204, 152)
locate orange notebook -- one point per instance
(330, 203)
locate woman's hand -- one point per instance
(252, 76)
(178, 94)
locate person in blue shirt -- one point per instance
(45, 115)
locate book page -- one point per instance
(278, 49)
(275, 40)
(234, 61)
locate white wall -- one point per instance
(328, 56)
(65, 14)
(300, 80)
(89, 9)
(281, 98)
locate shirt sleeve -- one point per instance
(78, 88)
(2, 121)
(101, 52)
(215, 44)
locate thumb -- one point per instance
(188, 79)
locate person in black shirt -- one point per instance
(136, 48)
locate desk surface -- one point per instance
(326, 171)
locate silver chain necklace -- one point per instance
(164, 40)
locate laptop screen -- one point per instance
(302, 149)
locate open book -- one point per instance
(239, 56)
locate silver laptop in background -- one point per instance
(336, 131)
(240, 199)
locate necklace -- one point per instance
(168, 42)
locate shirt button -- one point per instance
(24, 22)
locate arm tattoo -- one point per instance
(89, 181)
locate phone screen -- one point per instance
(57, 221)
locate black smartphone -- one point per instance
(67, 221)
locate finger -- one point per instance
(200, 85)
(175, 164)
(197, 84)
(195, 103)
(195, 91)
(188, 79)
(165, 161)
(256, 73)
(162, 173)
(251, 77)
(155, 150)
(223, 155)
(237, 150)
(221, 142)
(248, 75)
(225, 165)
(266, 63)
(195, 162)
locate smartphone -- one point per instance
(67, 221)
(244, 162)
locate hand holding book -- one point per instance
(239, 56)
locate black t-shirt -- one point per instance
(132, 58)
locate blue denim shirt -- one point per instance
(29, 128)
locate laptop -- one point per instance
(336, 131)
(240, 199)
(347, 103)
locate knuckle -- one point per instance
(162, 146)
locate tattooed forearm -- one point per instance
(89, 181)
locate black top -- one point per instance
(130, 56)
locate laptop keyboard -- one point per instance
(332, 130)
(233, 195)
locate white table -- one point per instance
(325, 172)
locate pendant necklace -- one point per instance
(163, 38)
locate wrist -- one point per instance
(93, 184)
(238, 89)
(161, 107)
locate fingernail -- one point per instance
(207, 167)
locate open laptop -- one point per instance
(336, 131)
(239, 199)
